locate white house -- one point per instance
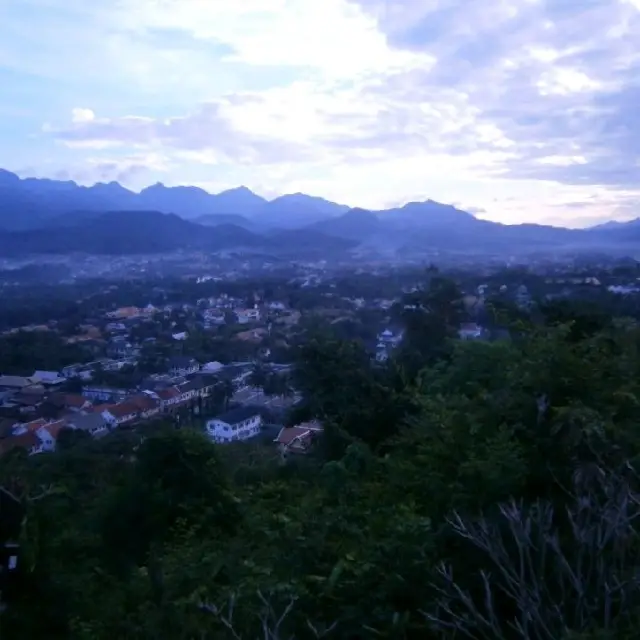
(47, 439)
(212, 367)
(245, 316)
(48, 377)
(470, 331)
(238, 424)
(387, 341)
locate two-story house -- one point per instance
(242, 423)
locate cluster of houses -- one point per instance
(40, 410)
(45, 410)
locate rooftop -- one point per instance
(234, 416)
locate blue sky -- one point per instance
(519, 110)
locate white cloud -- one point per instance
(519, 108)
(82, 115)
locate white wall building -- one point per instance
(238, 424)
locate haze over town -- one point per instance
(517, 112)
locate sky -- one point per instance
(516, 110)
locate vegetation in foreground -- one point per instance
(462, 490)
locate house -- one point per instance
(77, 370)
(169, 397)
(470, 331)
(245, 316)
(182, 335)
(92, 423)
(15, 383)
(212, 367)
(48, 378)
(120, 347)
(238, 424)
(298, 439)
(276, 306)
(71, 401)
(188, 390)
(29, 427)
(124, 313)
(120, 414)
(182, 366)
(147, 403)
(48, 434)
(113, 327)
(27, 440)
(387, 341)
(104, 394)
(213, 317)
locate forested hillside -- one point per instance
(461, 490)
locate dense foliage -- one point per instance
(462, 490)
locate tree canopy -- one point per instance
(462, 489)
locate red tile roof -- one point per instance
(99, 408)
(54, 428)
(123, 409)
(168, 394)
(35, 425)
(143, 402)
(74, 400)
(24, 440)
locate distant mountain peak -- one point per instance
(6, 177)
(240, 189)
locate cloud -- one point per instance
(518, 109)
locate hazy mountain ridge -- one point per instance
(148, 232)
(33, 202)
(41, 215)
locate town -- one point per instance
(217, 354)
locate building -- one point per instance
(120, 414)
(104, 394)
(238, 424)
(125, 313)
(15, 383)
(470, 331)
(91, 423)
(147, 403)
(48, 377)
(387, 342)
(298, 439)
(183, 366)
(245, 316)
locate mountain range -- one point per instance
(51, 216)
